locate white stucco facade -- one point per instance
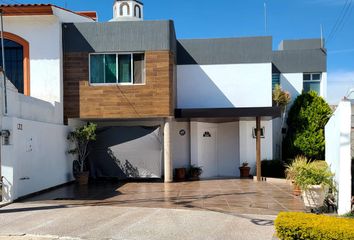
(44, 35)
(36, 157)
(216, 148)
(294, 84)
(224, 86)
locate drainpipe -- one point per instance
(3, 61)
(3, 112)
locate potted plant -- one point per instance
(180, 174)
(195, 172)
(245, 170)
(292, 169)
(81, 137)
(314, 179)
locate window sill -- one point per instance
(115, 84)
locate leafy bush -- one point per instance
(273, 168)
(313, 227)
(305, 173)
(81, 137)
(306, 121)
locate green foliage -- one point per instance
(281, 98)
(306, 122)
(305, 173)
(302, 226)
(195, 171)
(273, 168)
(81, 137)
(295, 167)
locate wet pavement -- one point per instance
(222, 195)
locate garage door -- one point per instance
(127, 152)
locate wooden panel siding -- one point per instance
(153, 99)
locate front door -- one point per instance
(208, 160)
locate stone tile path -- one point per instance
(228, 196)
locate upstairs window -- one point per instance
(122, 68)
(312, 82)
(275, 80)
(14, 63)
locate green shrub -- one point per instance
(306, 121)
(273, 169)
(313, 227)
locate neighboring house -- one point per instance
(34, 156)
(160, 102)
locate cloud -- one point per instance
(339, 83)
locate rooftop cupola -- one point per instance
(128, 10)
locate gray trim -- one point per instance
(298, 61)
(228, 112)
(224, 51)
(300, 44)
(119, 36)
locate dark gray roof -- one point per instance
(298, 61)
(224, 50)
(119, 36)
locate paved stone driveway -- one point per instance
(229, 196)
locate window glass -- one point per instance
(312, 86)
(13, 63)
(110, 68)
(316, 76)
(307, 77)
(138, 60)
(124, 70)
(97, 68)
(117, 68)
(275, 80)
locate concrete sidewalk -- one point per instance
(108, 222)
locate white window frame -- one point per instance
(311, 77)
(313, 81)
(117, 69)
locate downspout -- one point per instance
(3, 62)
(3, 112)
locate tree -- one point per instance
(306, 122)
(281, 99)
(81, 138)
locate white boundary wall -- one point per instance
(338, 153)
(36, 157)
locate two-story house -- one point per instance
(159, 102)
(163, 103)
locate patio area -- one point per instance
(222, 195)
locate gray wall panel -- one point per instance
(297, 61)
(119, 36)
(224, 51)
(300, 44)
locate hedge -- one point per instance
(312, 227)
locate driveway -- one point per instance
(214, 209)
(228, 195)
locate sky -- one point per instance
(286, 19)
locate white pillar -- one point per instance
(338, 147)
(167, 150)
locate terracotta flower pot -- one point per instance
(244, 172)
(296, 190)
(181, 174)
(82, 178)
